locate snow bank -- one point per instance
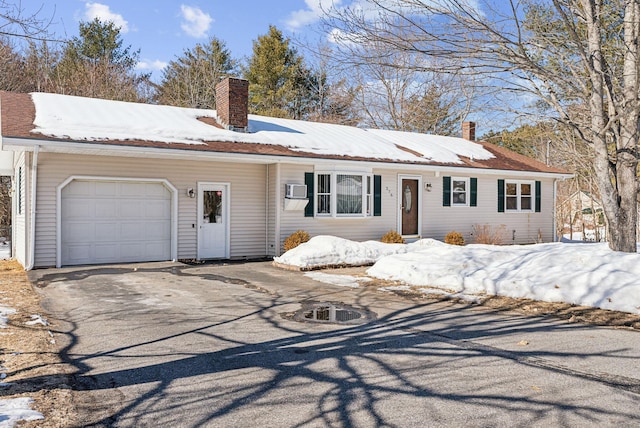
(326, 250)
(581, 274)
(575, 273)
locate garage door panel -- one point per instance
(78, 254)
(77, 209)
(105, 232)
(105, 209)
(158, 249)
(75, 232)
(110, 222)
(80, 189)
(157, 209)
(106, 250)
(105, 189)
(131, 251)
(132, 231)
(155, 230)
(133, 190)
(130, 209)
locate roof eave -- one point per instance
(95, 148)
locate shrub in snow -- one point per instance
(392, 237)
(485, 234)
(454, 238)
(296, 238)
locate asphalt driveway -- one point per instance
(169, 344)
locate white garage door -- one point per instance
(115, 221)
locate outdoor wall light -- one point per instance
(427, 187)
(191, 193)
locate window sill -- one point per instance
(342, 217)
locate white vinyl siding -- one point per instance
(248, 204)
(357, 228)
(528, 226)
(255, 209)
(437, 220)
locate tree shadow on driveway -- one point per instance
(417, 365)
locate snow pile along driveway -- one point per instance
(324, 251)
(574, 273)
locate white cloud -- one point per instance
(195, 22)
(104, 13)
(315, 9)
(151, 65)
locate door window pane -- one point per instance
(212, 206)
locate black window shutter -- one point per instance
(473, 200)
(377, 195)
(446, 191)
(538, 196)
(500, 196)
(309, 180)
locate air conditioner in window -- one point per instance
(296, 191)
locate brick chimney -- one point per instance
(232, 103)
(469, 131)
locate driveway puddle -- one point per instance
(332, 313)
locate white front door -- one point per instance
(213, 221)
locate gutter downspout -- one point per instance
(278, 208)
(32, 211)
(266, 208)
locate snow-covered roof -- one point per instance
(90, 119)
(97, 121)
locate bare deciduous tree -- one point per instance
(15, 21)
(579, 58)
(397, 88)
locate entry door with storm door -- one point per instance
(213, 221)
(409, 206)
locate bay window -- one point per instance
(343, 194)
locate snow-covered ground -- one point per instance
(17, 409)
(5, 251)
(576, 273)
(13, 410)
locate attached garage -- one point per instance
(115, 221)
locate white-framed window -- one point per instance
(519, 195)
(460, 191)
(344, 194)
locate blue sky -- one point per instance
(163, 29)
